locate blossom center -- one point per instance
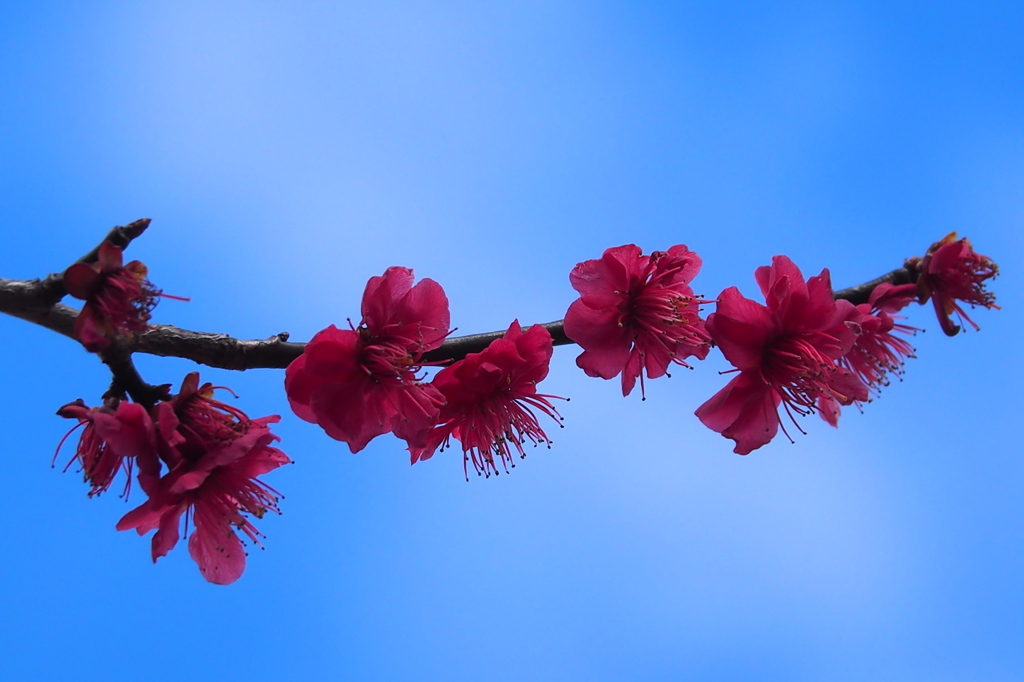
(798, 370)
(966, 280)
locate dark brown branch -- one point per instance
(218, 350)
(862, 292)
(39, 301)
(61, 319)
(127, 379)
(41, 294)
(120, 236)
(19, 298)
(458, 347)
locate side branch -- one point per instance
(39, 294)
(127, 380)
(120, 236)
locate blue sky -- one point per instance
(287, 153)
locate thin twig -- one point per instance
(120, 236)
(862, 292)
(40, 294)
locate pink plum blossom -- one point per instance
(118, 298)
(951, 271)
(114, 438)
(785, 353)
(636, 314)
(215, 455)
(490, 397)
(363, 382)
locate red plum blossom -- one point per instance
(363, 382)
(490, 397)
(785, 353)
(636, 314)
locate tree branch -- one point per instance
(218, 350)
(458, 347)
(20, 298)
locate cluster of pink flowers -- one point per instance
(800, 352)
(367, 381)
(197, 458)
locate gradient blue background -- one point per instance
(287, 152)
